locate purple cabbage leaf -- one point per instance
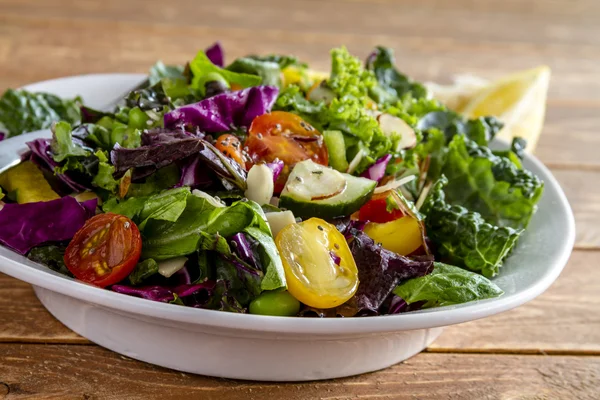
(25, 226)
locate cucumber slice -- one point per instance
(355, 193)
(336, 147)
(313, 181)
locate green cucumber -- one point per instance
(308, 177)
(336, 147)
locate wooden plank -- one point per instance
(564, 319)
(508, 24)
(24, 319)
(142, 43)
(30, 45)
(53, 371)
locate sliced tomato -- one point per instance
(231, 146)
(381, 208)
(105, 250)
(287, 137)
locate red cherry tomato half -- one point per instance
(381, 208)
(105, 250)
(287, 137)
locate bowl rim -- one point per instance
(17, 266)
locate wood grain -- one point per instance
(434, 40)
(562, 320)
(55, 371)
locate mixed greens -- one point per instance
(265, 187)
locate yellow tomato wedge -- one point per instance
(28, 182)
(402, 236)
(319, 267)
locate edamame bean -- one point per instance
(275, 303)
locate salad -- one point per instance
(264, 187)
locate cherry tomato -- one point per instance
(284, 136)
(105, 250)
(319, 267)
(381, 208)
(231, 146)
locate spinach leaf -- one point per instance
(447, 285)
(130, 207)
(162, 179)
(493, 186)
(22, 111)
(51, 256)
(165, 206)
(267, 70)
(462, 237)
(159, 71)
(142, 271)
(393, 85)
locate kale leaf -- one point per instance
(462, 237)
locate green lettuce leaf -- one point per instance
(104, 178)
(22, 111)
(202, 66)
(62, 143)
(130, 207)
(464, 238)
(348, 78)
(447, 285)
(200, 225)
(493, 186)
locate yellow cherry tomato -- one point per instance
(319, 267)
(402, 236)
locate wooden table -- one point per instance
(547, 349)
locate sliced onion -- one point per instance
(394, 184)
(376, 172)
(355, 161)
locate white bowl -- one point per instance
(275, 348)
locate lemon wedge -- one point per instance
(518, 100)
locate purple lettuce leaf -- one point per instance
(208, 294)
(380, 270)
(225, 111)
(25, 226)
(216, 54)
(2, 136)
(42, 156)
(145, 160)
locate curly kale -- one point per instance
(463, 237)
